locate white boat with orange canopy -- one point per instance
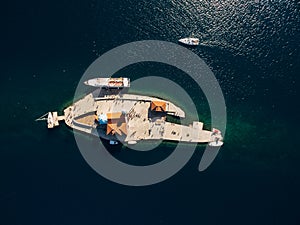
(110, 82)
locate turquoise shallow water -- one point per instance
(251, 46)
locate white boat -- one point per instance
(217, 138)
(120, 82)
(189, 41)
(216, 143)
(50, 120)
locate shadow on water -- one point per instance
(112, 149)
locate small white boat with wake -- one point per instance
(189, 41)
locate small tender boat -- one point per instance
(189, 41)
(111, 142)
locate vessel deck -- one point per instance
(141, 122)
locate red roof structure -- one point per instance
(114, 128)
(158, 106)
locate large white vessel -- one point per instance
(120, 82)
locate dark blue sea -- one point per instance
(252, 47)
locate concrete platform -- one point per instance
(141, 122)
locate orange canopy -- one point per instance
(114, 115)
(158, 106)
(114, 128)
